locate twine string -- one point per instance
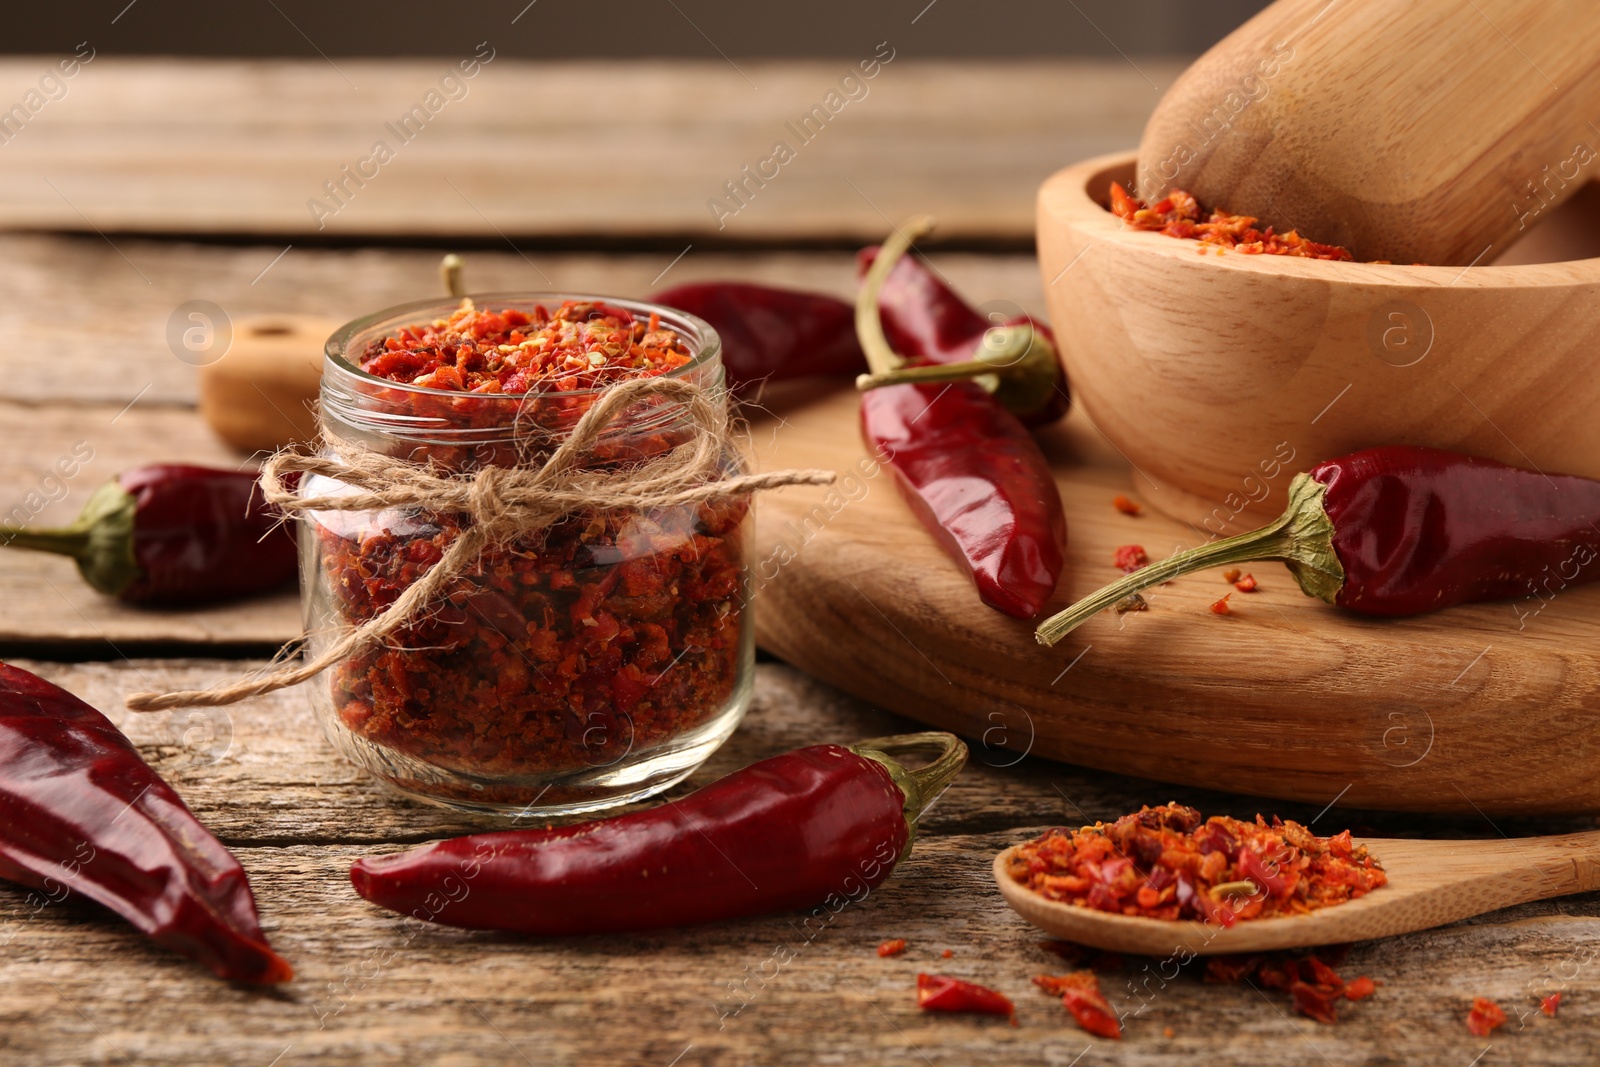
(501, 504)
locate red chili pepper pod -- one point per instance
(1401, 531)
(170, 534)
(771, 334)
(966, 465)
(820, 826)
(933, 327)
(81, 813)
(941, 442)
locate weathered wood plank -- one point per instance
(560, 148)
(78, 988)
(51, 281)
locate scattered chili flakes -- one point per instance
(1549, 1004)
(1221, 607)
(1314, 987)
(892, 948)
(1247, 584)
(1167, 862)
(1180, 215)
(938, 992)
(1130, 558)
(1080, 994)
(579, 346)
(1126, 506)
(1168, 1032)
(1231, 574)
(1485, 1017)
(947, 953)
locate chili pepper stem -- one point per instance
(923, 785)
(1014, 362)
(450, 275)
(869, 327)
(1301, 538)
(100, 539)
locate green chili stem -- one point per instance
(64, 541)
(923, 785)
(967, 370)
(1301, 537)
(869, 327)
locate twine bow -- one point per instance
(501, 504)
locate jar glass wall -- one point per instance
(586, 664)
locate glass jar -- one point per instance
(588, 664)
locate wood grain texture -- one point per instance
(77, 987)
(52, 278)
(1488, 707)
(1205, 368)
(241, 147)
(1359, 125)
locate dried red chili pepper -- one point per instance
(771, 334)
(81, 813)
(944, 340)
(1170, 862)
(1485, 1017)
(892, 948)
(1402, 531)
(1080, 994)
(818, 825)
(967, 467)
(171, 534)
(938, 992)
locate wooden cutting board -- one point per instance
(1493, 708)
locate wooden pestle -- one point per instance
(1434, 131)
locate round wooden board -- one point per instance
(1489, 708)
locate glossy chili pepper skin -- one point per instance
(927, 322)
(170, 535)
(977, 480)
(771, 334)
(788, 832)
(81, 813)
(1419, 529)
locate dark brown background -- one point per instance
(569, 29)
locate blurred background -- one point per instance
(614, 29)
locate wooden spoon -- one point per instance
(1425, 132)
(1430, 883)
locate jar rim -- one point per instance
(700, 336)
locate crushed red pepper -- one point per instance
(1231, 574)
(1180, 215)
(1126, 506)
(1485, 1017)
(892, 948)
(1080, 994)
(1169, 862)
(1549, 1004)
(580, 345)
(606, 633)
(1220, 607)
(938, 992)
(1247, 584)
(1130, 558)
(1314, 987)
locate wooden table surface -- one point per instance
(116, 197)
